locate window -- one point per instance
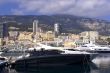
(84, 46)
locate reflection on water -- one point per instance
(102, 61)
(55, 69)
(101, 64)
(2, 70)
(60, 69)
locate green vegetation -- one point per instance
(108, 40)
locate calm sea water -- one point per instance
(101, 64)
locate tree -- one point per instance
(108, 40)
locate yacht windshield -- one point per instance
(55, 44)
(45, 52)
(71, 49)
(84, 46)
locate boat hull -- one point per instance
(53, 60)
(98, 51)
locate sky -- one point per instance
(87, 8)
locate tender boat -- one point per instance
(3, 62)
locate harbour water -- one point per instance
(101, 64)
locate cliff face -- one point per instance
(68, 23)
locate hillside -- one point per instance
(68, 23)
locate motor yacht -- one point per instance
(52, 56)
(93, 48)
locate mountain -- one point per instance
(68, 23)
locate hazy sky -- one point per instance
(89, 8)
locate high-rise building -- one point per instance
(35, 26)
(56, 29)
(4, 30)
(1, 30)
(3, 33)
(35, 30)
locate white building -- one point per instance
(56, 29)
(35, 26)
(35, 30)
(89, 36)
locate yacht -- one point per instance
(52, 56)
(93, 48)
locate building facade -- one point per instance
(89, 36)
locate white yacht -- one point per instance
(93, 48)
